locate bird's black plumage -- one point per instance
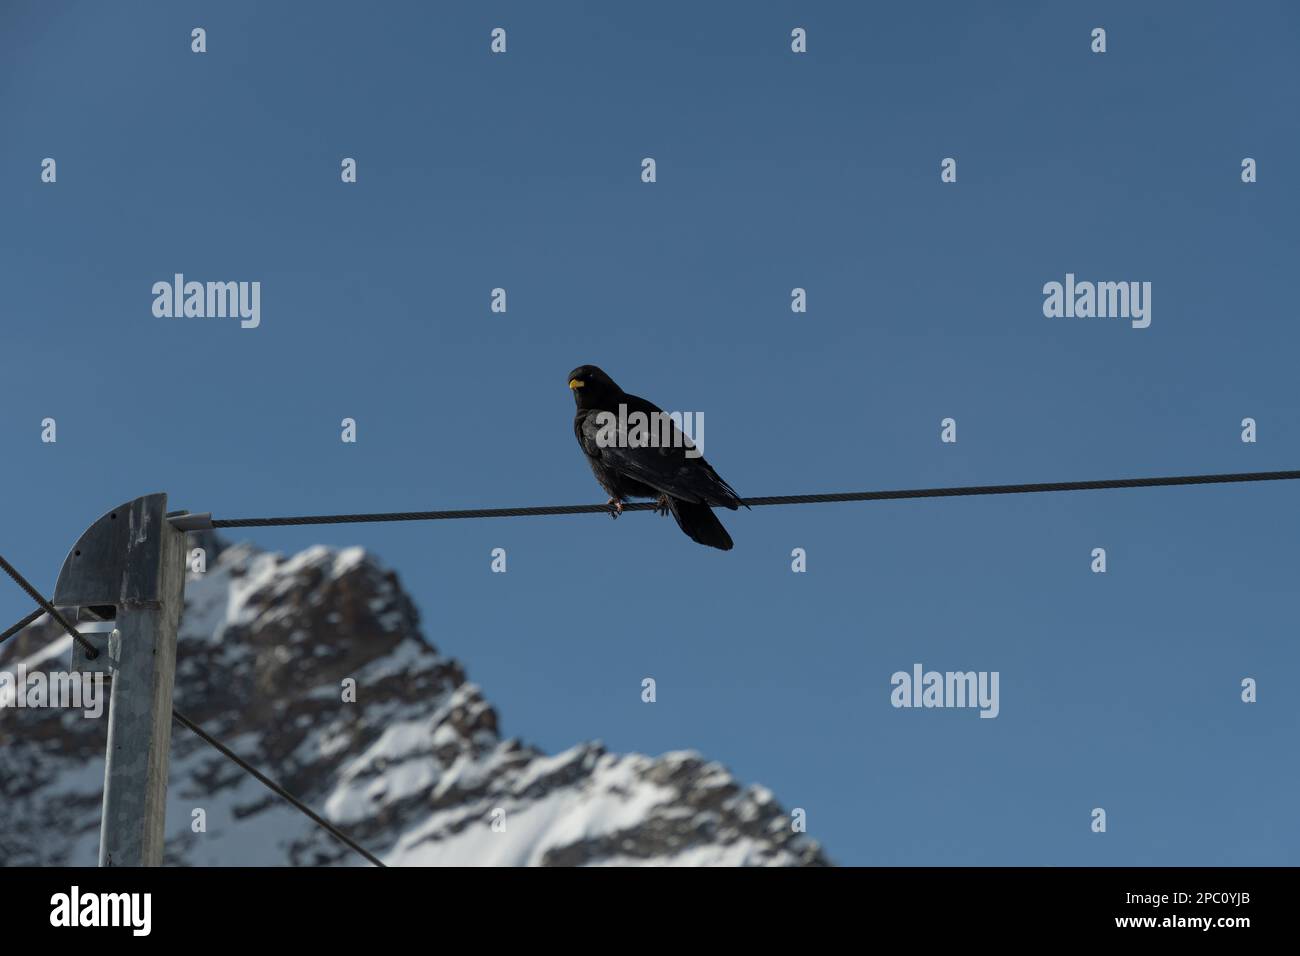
(685, 485)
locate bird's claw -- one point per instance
(615, 507)
(662, 506)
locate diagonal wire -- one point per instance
(274, 787)
(970, 490)
(10, 632)
(48, 608)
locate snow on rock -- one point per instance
(418, 773)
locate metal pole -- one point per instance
(129, 567)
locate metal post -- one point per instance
(129, 567)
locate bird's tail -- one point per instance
(701, 524)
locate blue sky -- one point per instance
(774, 171)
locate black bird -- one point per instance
(685, 485)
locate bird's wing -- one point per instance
(666, 469)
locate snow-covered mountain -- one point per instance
(415, 771)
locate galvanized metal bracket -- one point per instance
(105, 638)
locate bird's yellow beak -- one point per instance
(575, 383)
